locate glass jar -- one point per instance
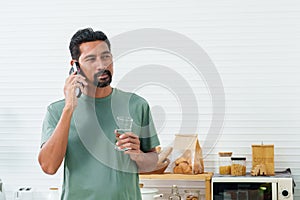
(53, 194)
(175, 193)
(238, 166)
(225, 163)
(192, 194)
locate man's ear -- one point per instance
(72, 62)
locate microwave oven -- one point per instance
(277, 187)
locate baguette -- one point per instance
(162, 156)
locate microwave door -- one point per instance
(243, 191)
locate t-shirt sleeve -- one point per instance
(149, 138)
(49, 125)
(144, 126)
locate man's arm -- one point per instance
(146, 161)
(53, 151)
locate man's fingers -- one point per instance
(128, 134)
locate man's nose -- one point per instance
(100, 65)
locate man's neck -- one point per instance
(99, 92)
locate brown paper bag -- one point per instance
(187, 155)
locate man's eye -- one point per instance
(106, 57)
(90, 59)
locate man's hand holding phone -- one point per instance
(74, 86)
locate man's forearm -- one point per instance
(146, 162)
(53, 151)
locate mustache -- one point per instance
(102, 83)
(102, 72)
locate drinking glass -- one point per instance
(124, 125)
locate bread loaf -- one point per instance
(183, 164)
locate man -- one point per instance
(99, 163)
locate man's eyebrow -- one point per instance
(105, 52)
(93, 56)
(89, 56)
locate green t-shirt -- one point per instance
(93, 168)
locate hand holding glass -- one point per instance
(124, 125)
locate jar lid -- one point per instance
(225, 154)
(192, 190)
(238, 158)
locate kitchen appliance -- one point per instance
(24, 193)
(277, 187)
(2, 194)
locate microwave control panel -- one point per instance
(285, 189)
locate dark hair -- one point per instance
(85, 35)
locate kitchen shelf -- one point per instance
(205, 177)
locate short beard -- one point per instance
(101, 84)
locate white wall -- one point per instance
(254, 46)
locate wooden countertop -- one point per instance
(206, 176)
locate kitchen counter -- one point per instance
(188, 179)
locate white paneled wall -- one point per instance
(254, 45)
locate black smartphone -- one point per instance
(76, 68)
